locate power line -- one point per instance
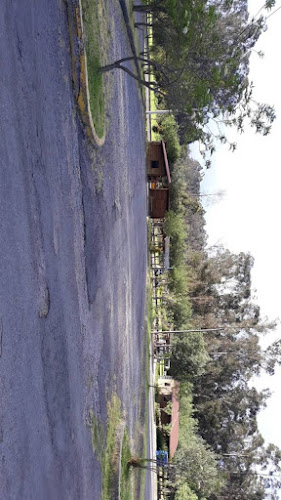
(272, 13)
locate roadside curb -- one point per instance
(79, 69)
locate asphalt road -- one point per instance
(72, 258)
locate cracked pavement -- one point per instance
(72, 259)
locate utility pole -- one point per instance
(160, 112)
(203, 330)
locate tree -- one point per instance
(200, 62)
(197, 465)
(273, 356)
(184, 492)
(189, 357)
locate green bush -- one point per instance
(175, 228)
(185, 493)
(196, 464)
(168, 130)
(189, 356)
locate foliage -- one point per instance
(104, 445)
(185, 206)
(188, 425)
(108, 456)
(200, 58)
(174, 227)
(167, 127)
(125, 483)
(189, 356)
(166, 428)
(197, 464)
(184, 492)
(168, 408)
(178, 302)
(194, 471)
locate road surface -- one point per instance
(72, 258)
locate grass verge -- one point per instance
(95, 81)
(125, 485)
(108, 460)
(107, 448)
(152, 97)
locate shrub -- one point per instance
(169, 129)
(185, 493)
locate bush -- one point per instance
(169, 129)
(189, 356)
(185, 493)
(175, 228)
(196, 464)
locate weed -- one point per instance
(106, 446)
(95, 81)
(125, 493)
(97, 435)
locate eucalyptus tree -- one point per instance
(199, 62)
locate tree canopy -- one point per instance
(199, 63)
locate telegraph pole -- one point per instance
(203, 330)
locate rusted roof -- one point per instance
(167, 252)
(166, 162)
(174, 435)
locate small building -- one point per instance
(159, 176)
(169, 391)
(159, 202)
(167, 253)
(157, 161)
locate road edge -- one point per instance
(79, 69)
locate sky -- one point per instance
(247, 218)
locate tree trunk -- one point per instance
(147, 25)
(152, 7)
(117, 64)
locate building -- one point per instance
(157, 161)
(159, 178)
(169, 392)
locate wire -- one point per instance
(272, 13)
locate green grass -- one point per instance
(126, 490)
(152, 98)
(105, 445)
(96, 431)
(161, 368)
(153, 107)
(92, 45)
(108, 458)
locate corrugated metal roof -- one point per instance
(166, 162)
(167, 253)
(174, 435)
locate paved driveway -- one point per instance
(72, 259)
